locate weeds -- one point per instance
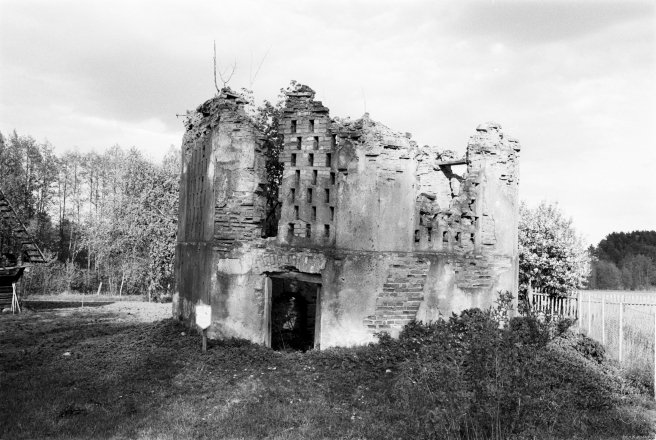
(462, 378)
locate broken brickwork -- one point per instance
(388, 231)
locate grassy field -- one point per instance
(639, 325)
(120, 370)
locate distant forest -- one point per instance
(105, 218)
(624, 261)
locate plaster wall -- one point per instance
(392, 231)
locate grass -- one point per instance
(638, 351)
(79, 297)
(151, 381)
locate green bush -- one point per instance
(469, 377)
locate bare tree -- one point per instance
(231, 67)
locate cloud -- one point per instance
(573, 81)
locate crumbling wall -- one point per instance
(376, 184)
(309, 182)
(389, 230)
(222, 208)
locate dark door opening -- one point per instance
(294, 323)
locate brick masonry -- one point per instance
(402, 294)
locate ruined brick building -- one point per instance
(373, 230)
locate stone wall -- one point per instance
(391, 231)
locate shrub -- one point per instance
(467, 377)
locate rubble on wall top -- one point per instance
(489, 126)
(490, 135)
(301, 91)
(199, 122)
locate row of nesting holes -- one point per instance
(315, 142)
(308, 230)
(309, 195)
(314, 213)
(315, 175)
(311, 127)
(311, 159)
(445, 236)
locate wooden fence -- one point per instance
(543, 302)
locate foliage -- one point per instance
(28, 171)
(267, 119)
(460, 378)
(551, 254)
(109, 218)
(469, 378)
(618, 245)
(624, 261)
(604, 275)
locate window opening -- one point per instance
(293, 191)
(332, 178)
(308, 230)
(328, 159)
(298, 177)
(311, 125)
(314, 213)
(309, 195)
(299, 141)
(315, 174)
(327, 195)
(293, 126)
(315, 143)
(296, 213)
(326, 230)
(293, 160)
(332, 213)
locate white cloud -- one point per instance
(574, 82)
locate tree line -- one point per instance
(107, 218)
(624, 261)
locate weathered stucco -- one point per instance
(387, 230)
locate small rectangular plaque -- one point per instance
(203, 316)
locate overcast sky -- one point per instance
(573, 81)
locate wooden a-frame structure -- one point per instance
(9, 276)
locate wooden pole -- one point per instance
(99, 287)
(204, 340)
(589, 315)
(603, 320)
(15, 306)
(578, 307)
(621, 328)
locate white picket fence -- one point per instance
(545, 303)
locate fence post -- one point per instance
(603, 320)
(654, 352)
(589, 315)
(621, 327)
(578, 307)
